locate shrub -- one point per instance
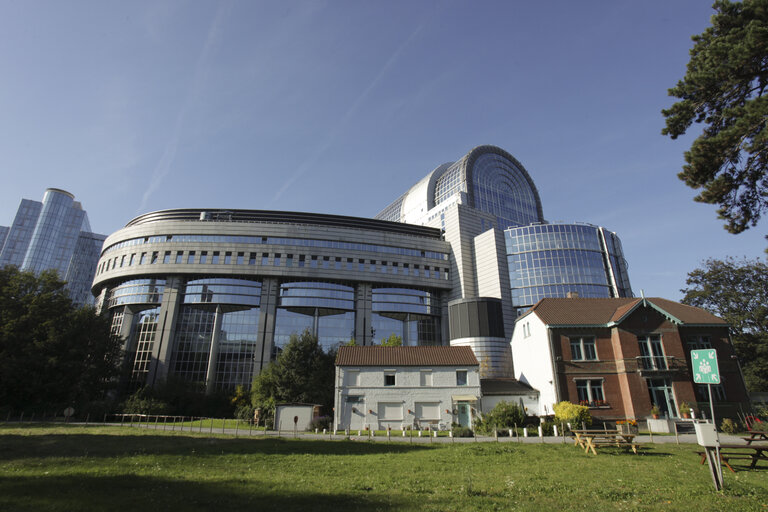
(142, 402)
(729, 426)
(320, 423)
(462, 432)
(576, 415)
(503, 416)
(244, 413)
(547, 428)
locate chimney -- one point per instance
(572, 295)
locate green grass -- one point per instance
(112, 468)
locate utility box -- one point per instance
(706, 434)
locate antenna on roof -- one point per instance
(642, 293)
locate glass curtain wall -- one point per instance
(409, 313)
(324, 309)
(236, 302)
(145, 331)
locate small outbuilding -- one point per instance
(295, 416)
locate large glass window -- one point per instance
(192, 343)
(145, 331)
(220, 290)
(237, 346)
(137, 291)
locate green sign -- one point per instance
(704, 365)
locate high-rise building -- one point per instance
(504, 253)
(54, 235)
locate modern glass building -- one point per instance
(502, 248)
(211, 296)
(554, 260)
(54, 234)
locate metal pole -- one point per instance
(717, 448)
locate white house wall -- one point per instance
(532, 354)
(388, 406)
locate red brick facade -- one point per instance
(626, 375)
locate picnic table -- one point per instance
(591, 439)
(751, 452)
(756, 436)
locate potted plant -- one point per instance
(685, 410)
(655, 412)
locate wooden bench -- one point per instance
(750, 452)
(591, 439)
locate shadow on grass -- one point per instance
(14, 446)
(132, 492)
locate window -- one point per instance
(130, 262)
(301, 260)
(313, 262)
(352, 378)
(240, 257)
(583, 348)
(389, 378)
(154, 257)
(167, 257)
(289, 260)
(361, 265)
(652, 352)
(461, 377)
(252, 258)
(276, 261)
(179, 256)
(215, 258)
(122, 260)
(698, 342)
(349, 263)
(203, 256)
(227, 258)
(326, 261)
(590, 392)
(265, 258)
(425, 378)
(143, 259)
(337, 264)
(191, 257)
(718, 392)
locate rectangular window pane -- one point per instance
(191, 257)
(461, 377)
(203, 257)
(167, 257)
(227, 258)
(215, 257)
(179, 256)
(240, 257)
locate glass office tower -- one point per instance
(553, 260)
(54, 235)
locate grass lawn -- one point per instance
(113, 468)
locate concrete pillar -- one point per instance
(166, 326)
(266, 335)
(213, 354)
(363, 305)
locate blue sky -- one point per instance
(340, 106)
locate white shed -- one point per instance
(295, 415)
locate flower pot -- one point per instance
(655, 416)
(686, 415)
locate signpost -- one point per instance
(706, 371)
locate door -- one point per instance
(661, 395)
(354, 408)
(465, 419)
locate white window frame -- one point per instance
(583, 352)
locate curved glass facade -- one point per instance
(223, 291)
(501, 188)
(137, 291)
(551, 260)
(325, 309)
(409, 313)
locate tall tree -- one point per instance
(724, 89)
(51, 353)
(301, 373)
(737, 291)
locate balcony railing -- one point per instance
(650, 364)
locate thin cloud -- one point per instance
(165, 164)
(333, 134)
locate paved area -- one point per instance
(424, 439)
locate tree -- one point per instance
(724, 89)
(393, 341)
(51, 353)
(737, 292)
(301, 373)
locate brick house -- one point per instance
(379, 387)
(620, 356)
